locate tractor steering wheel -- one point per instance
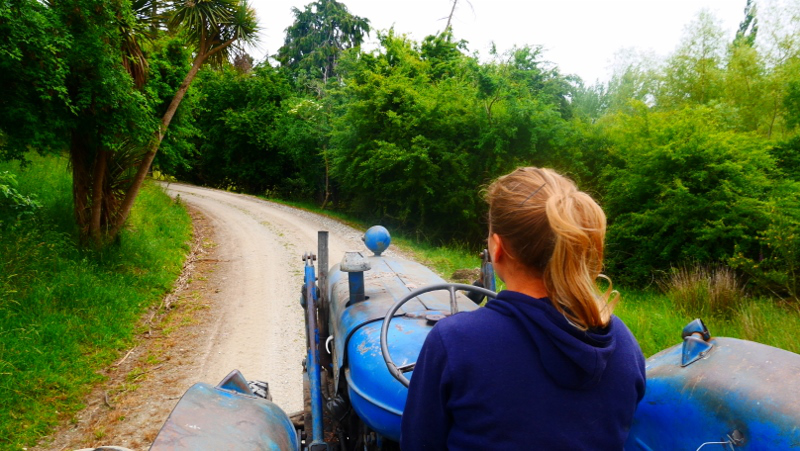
(396, 371)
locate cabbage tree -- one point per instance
(214, 28)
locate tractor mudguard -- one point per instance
(737, 395)
(228, 416)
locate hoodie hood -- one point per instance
(572, 358)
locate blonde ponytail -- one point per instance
(558, 233)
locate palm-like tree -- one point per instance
(214, 27)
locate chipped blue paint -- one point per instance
(312, 359)
(377, 397)
(738, 386)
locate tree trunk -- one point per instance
(81, 182)
(97, 195)
(450, 17)
(327, 178)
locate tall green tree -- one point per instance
(318, 36)
(418, 128)
(746, 88)
(90, 106)
(693, 74)
(634, 77)
(76, 70)
(748, 27)
(212, 27)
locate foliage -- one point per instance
(212, 26)
(748, 28)
(318, 36)
(776, 269)
(90, 106)
(687, 189)
(66, 312)
(787, 155)
(36, 104)
(168, 62)
(693, 74)
(419, 128)
(255, 134)
(13, 204)
(792, 102)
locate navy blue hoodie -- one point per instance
(517, 375)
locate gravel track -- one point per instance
(260, 331)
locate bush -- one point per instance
(13, 204)
(777, 268)
(684, 189)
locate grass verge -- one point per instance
(67, 312)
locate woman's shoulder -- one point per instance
(469, 324)
(621, 330)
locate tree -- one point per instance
(319, 34)
(168, 60)
(212, 27)
(748, 27)
(76, 72)
(73, 92)
(418, 128)
(693, 74)
(634, 77)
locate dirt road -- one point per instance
(261, 329)
(238, 308)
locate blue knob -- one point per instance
(377, 239)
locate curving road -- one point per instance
(260, 328)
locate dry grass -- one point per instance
(703, 290)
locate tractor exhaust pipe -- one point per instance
(354, 264)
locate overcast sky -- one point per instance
(579, 36)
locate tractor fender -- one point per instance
(226, 416)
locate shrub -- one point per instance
(684, 189)
(777, 268)
(13, 204)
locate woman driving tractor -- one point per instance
(545, 365)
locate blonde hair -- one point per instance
(558, 233)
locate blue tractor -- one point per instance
(367, 318)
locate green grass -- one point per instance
(67, 312)
(657, 323)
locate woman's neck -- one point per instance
(526, 284)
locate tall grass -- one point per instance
(66, 312)
(657, 323)
(703, 290)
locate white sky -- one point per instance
(579, 36)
